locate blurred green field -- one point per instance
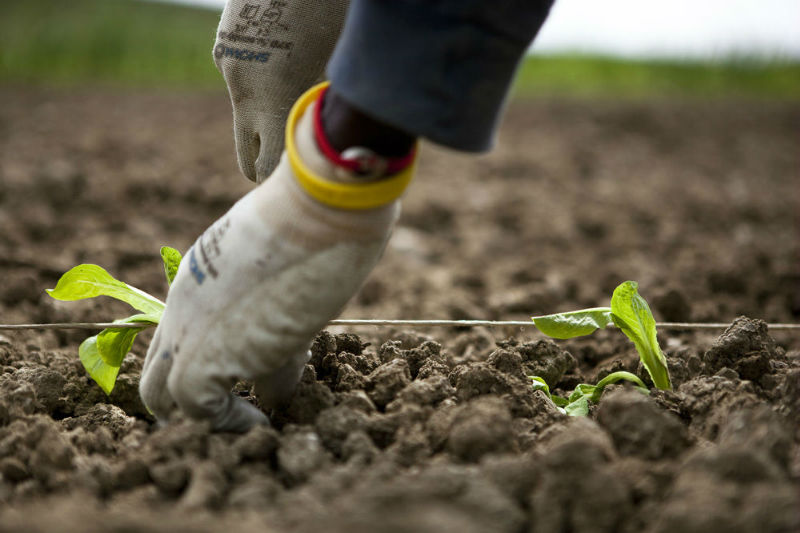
(138, 43)
(127, 42)
(602, 77)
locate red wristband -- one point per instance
(359, 160)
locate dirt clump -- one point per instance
(746, 348)
(639, 427)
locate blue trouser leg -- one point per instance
(435, 69)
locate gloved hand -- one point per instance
(256, 287)
(270, 52)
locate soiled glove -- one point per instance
(270, 52)
(256, 287)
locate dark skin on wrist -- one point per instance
(347, 127)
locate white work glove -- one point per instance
(256, 287)
(270, 52)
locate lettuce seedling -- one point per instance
(630, 313)
(102, 354)
(577, 403)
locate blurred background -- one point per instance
(616, 47)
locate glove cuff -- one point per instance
(337, 194)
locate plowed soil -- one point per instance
(429, 430)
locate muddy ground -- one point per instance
(437, 429)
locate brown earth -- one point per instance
(429, 430)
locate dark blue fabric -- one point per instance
(436, 69)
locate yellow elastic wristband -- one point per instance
(336, 194)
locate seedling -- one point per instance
(630, 313)
(577, 403)
(102, 354)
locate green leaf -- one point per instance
(573, 323)
(147, 318)
(580, 407)
(578, 402)
(593, 392)
(615, 377)
(559, 401)
(113, 344)
(632, 315)
(172, 260)
(581, 391)
(88, 281)
(539, 383)
(101, 372)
